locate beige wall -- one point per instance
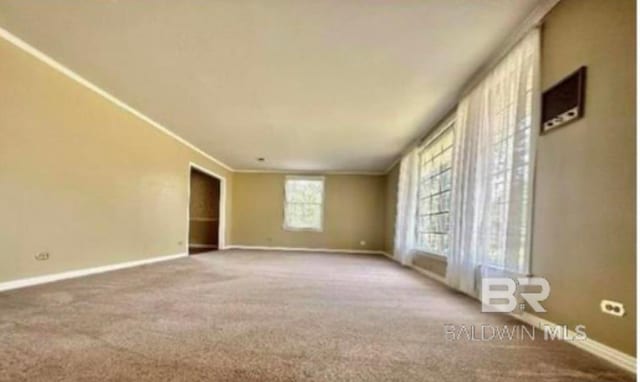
(584, 217)
(82, 178)
(354, 211)
(391, 204)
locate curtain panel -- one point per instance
(407, 209)
(493, 170)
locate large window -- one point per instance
(509, 158)
(492, 205)
(434, 193)
(303, 203)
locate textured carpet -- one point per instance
(267, 316)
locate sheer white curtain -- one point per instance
(406, 215)
(493, 167)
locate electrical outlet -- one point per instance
(180, 243)
(42, 256)
(613, 308)
(363, 243)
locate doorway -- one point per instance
(204, 212)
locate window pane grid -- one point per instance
(509, 180)
(434, 194)
(303, 204)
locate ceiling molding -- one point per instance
(28, 48)
(312, 172)
(449, 117)
(533, 20)
(393, 164)
(21, 44)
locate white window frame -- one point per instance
(448, 125)
(285, 226)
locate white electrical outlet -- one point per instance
(42, 256)
(363, 243)
(612, 307)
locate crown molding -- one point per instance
(534, 19)
(313, 172)
(305, 249)
(46, 59)
(393, 164)
(26, 47)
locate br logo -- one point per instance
(501, 294)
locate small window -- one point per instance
(303, 203)
(434, 193)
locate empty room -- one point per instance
(318, 190)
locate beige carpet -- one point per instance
(260, 316)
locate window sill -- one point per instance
(432, 256)
(292, 229)
(501, 271)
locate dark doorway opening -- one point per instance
(204, 212)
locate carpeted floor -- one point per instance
(267, 316)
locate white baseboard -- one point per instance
(622, 360)
(618, 358)
(30, 281)
(302, 249)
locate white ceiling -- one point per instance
(331, 85)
